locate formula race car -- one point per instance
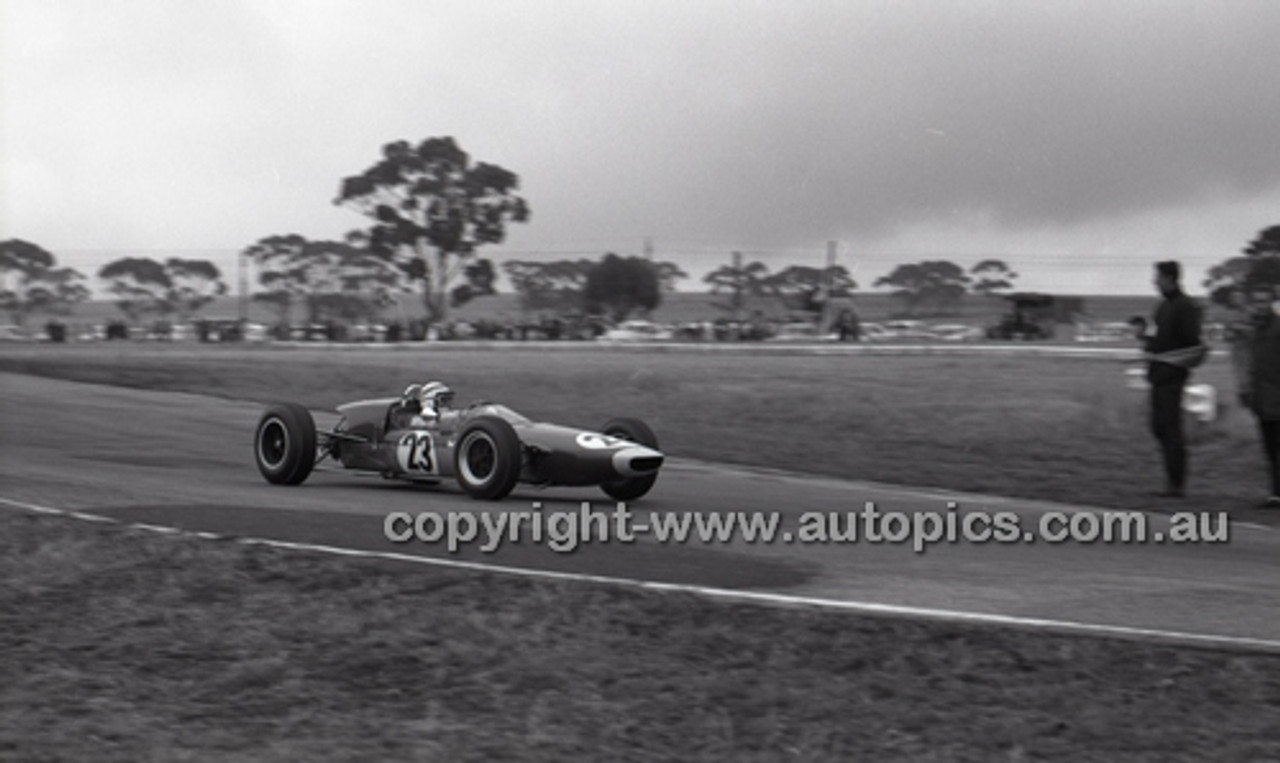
(486, 447)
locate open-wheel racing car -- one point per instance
(488, 448)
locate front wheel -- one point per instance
(284, 445)
(638, 432)
(488, 458)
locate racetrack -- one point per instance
(184, 460)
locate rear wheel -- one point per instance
(284, 444)
(488, 458)
(638, 432)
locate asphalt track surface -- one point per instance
(185, 461)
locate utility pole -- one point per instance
(648, 248)
(825, 289)
(738, 278)
(242, 275)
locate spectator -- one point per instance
(1238, 334)
(56, 331)
(1177, 327)
(1139, 326)
(849, 326)
(1258, 376)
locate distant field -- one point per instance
(125, 646)
(1043, 428)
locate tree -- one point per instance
(992, 277)
(1266, 244)
(140, 284)
(738, 281)
(1264, 253)
(621, 285)
(344, 281)
(668, 274)
(805, 288)
(431, 199)
(938, 283)
(557, 285)
(55, 291)
(281, 273)
(31, 283)
(1259, 265)
(192, 284)
(1265, 272)
(143, 285)
(330, 278)
(479, 276)
(23, 259)
(1225, 277)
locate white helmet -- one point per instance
(435, 396)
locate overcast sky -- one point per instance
(1078, 140)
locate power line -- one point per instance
(1058, 260)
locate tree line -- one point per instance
(318, 281)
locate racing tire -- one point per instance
(638, 432)
(488, 458)
(284, 444)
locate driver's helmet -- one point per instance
(435, 397)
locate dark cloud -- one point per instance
(847, 122)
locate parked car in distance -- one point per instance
(636, 330)
(956, 332)
(801, 331)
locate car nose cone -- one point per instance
(636, 461)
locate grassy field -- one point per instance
(125, 646)
(1064, 429)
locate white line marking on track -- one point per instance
(82, 516)
(162, 529)
(757, 597)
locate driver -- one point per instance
(407, 413)
(436, 400)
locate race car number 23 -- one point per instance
(416, 452)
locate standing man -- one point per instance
(1239, 336)
(1177, 322)
(1260, 378)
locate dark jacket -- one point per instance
(1177, 328)
(1239, 336)
(1266, 369)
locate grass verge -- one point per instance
(124, 645)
